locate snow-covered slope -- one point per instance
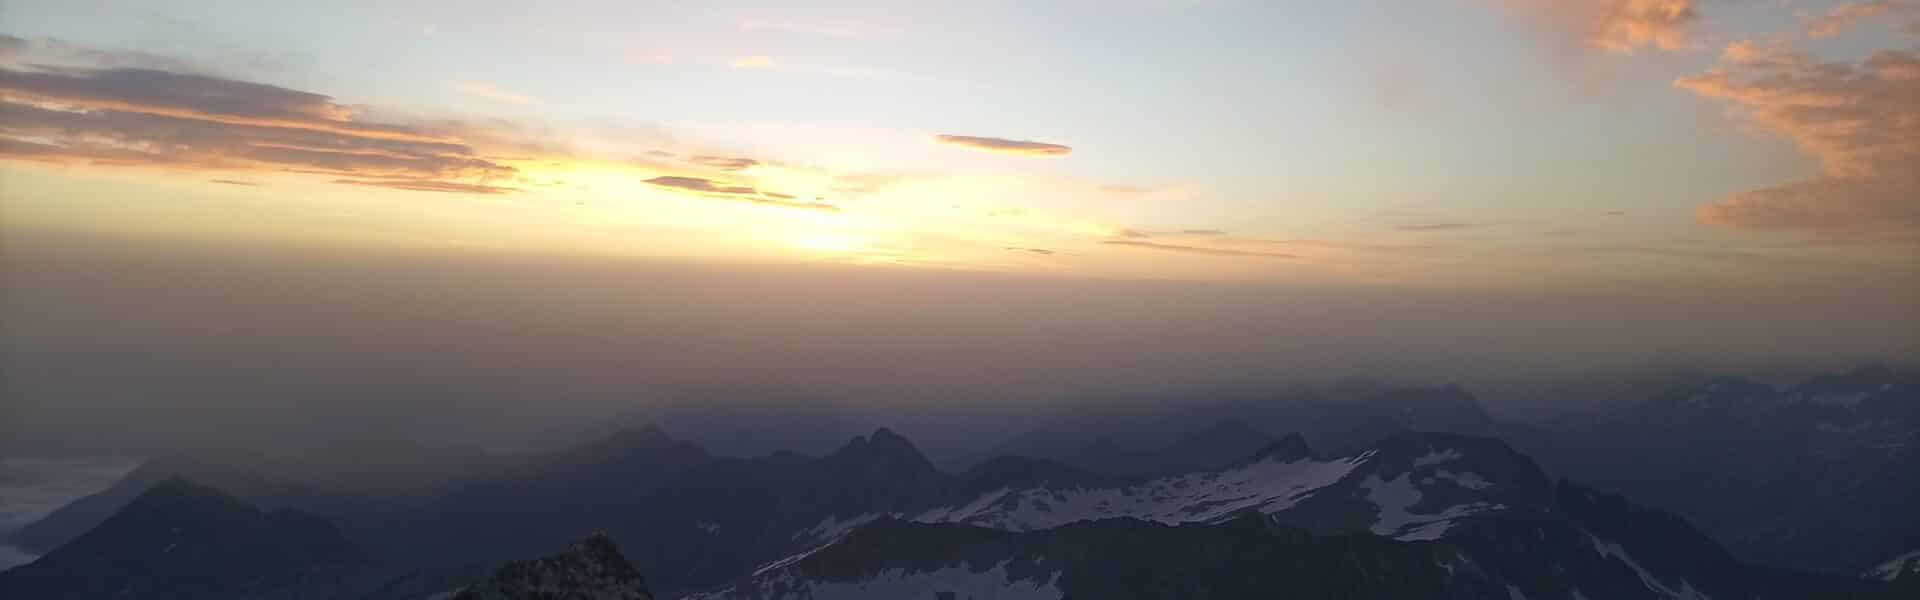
(1898, 568)
(1268, 485)
(1410, 487)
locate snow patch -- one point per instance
(788, 561)
(1469, 480)
(1394, 497)
(1899, 566)
(1437, 457)
(1611, 550)
(832, 528)
(1513, 593)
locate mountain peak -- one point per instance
(591, 568)
(1288, 448)
(886, 437)
(183, 539)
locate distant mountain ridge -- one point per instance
(693, 521)
(1417, 514)
(1165, 440)
(1834, 456)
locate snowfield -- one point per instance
(1267, 485)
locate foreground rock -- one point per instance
(591, 570)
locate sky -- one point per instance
(1640, 178)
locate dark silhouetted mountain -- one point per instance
(536, 505)
(1288, 448)
(1224, 441)
(1449, 515)
(249, 484)
(1818, 475)
(1588, 546)
(1020, 471)
(183, 540)
(592, 569)
(1109, 559)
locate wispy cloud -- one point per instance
(235, 182)
(724, 163)
(696, 184)
(712, 189)
(415, 185)
(1192, 249)
(1003, 145)
(1041, 251)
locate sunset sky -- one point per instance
(345, 218)
(1434, 143)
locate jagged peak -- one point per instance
(883, 445)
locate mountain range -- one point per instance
(1410, 513)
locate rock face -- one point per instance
(590, 570)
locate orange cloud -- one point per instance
(1861, 121)
(1619, 26)
(145, 115)
(1003, 146)
(1844, 16)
